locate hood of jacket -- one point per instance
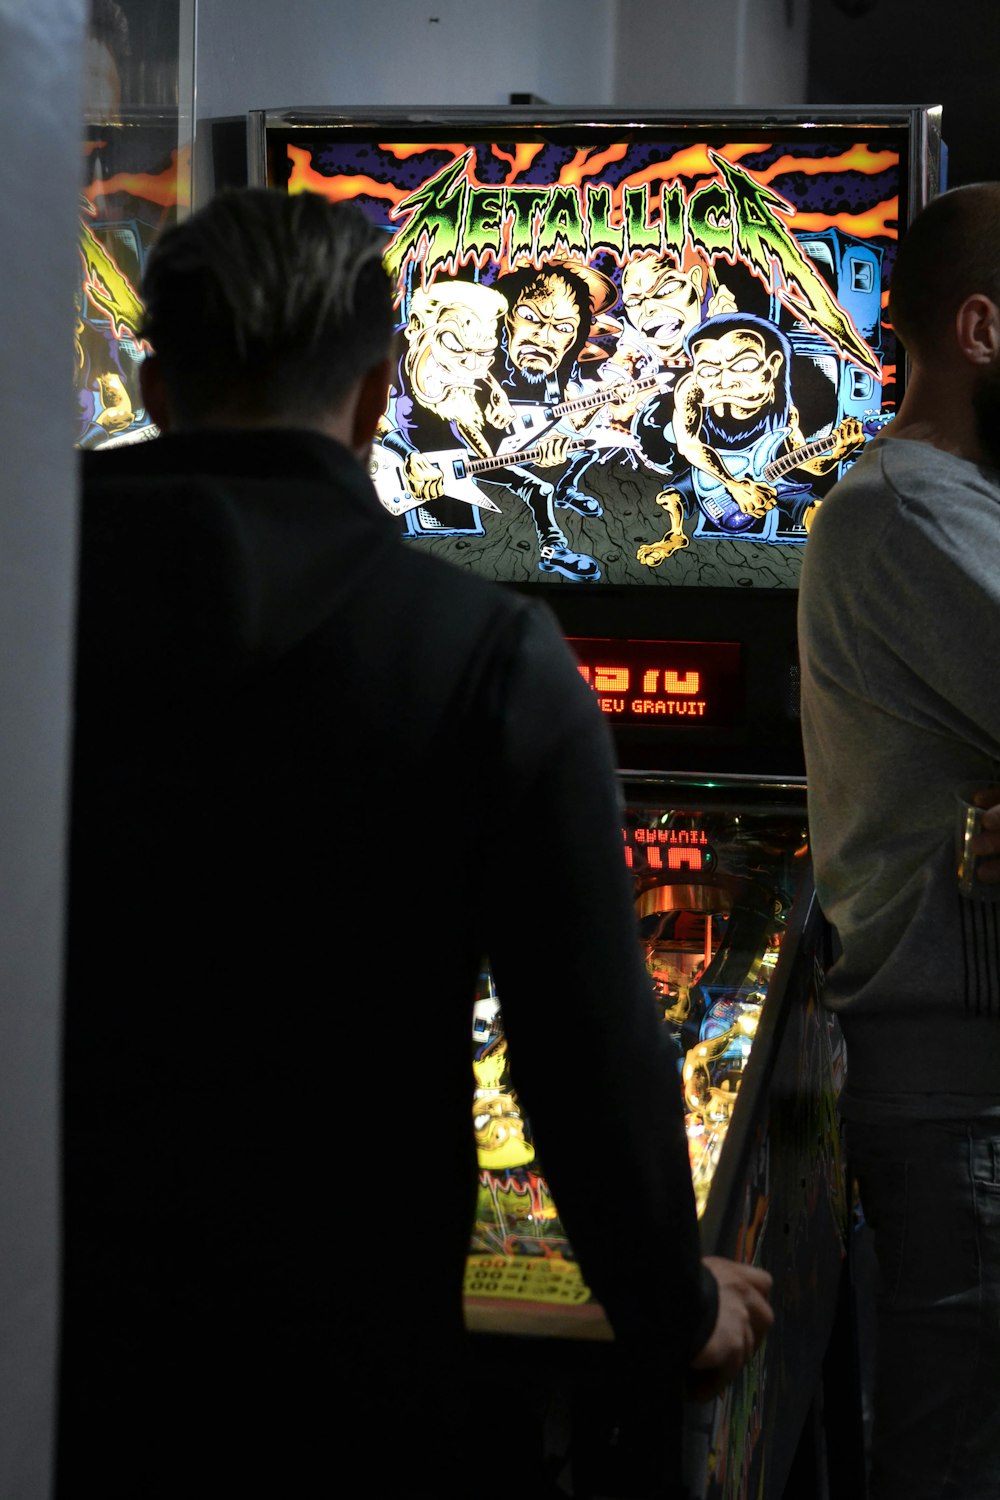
(205, 557)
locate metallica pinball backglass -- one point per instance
(634, 353)
(634, 356)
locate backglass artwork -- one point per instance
(626, 358)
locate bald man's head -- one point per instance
(950, 252)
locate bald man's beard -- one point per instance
(986, 407)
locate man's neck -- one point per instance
(937, 410)
(939, 413)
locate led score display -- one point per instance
(673, 850)
(681, 683)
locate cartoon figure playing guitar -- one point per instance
(733, 421)
(664, 298)
(451, 337)
(434, 454)
(545, 345)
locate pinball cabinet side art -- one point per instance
(137, 149)
(733, 944)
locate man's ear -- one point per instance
(977, 329)
(154, 394)
(369, 408)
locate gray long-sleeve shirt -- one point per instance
(899, 633)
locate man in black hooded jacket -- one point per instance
(315, 774)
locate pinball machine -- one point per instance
(735, 947)
(660, 340)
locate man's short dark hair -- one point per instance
(267, 304)
(950, 252)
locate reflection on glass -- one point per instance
(137, 154)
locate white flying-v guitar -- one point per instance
(791, 460)
(458, 468)
(532, 421)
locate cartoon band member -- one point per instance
(730, 420)
(663, 301)
(448, 396)
(546, 345)
(550, 312)
(435, 407)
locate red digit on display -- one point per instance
(684, 859)
(611, 679)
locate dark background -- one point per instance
(943, 52)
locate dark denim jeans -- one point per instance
(930, 1192)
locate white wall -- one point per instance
(711, 54)
(594, 54)
(41, 46)
(271, 54)
(773, 69)
(258, 54)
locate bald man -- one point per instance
(899, 619)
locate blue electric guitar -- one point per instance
(872, 424)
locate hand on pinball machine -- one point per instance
(744, 1317)
(986, 844)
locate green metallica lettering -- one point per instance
(524, 205)
(761, 238)
(449, 219)
(561, 223)
(435, 218)
(710, 219)
(672, 208)
(603, 234)
(641, 234)
(484, 222)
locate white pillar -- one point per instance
(41, 47)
